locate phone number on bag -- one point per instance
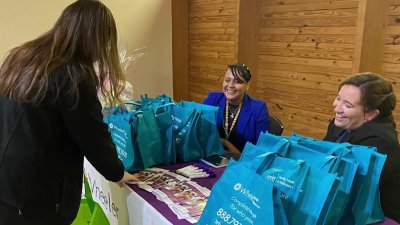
(225, 216)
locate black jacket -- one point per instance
(42, 150)
(379, 133)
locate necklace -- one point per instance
(233, 112)
(342, 136)
(235, 115)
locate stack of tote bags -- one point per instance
(298, 180)
(158, 131)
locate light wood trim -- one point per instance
(369, 39)
(180, 59)
(247, 39)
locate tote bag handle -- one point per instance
(269, 157)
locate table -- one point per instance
(134, 206)
(170, 217)
(387, 222)
(161, 206)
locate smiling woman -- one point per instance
(350, 113)
(363, 116)
(240, 118)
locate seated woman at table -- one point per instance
(363, 108)
(240, 118)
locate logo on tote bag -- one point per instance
(246, 192)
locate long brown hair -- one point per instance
(85, 34)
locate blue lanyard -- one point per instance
(342, 135)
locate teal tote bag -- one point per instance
(165, 126)
(304, 189)
(120, 126)
(207, 135)
(363, 206)
(186, 129)
(241, 196)
(148, 139)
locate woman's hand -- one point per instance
(231, 148)
(127, 178)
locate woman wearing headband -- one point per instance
(240, 118)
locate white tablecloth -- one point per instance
(122, 206)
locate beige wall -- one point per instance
(140, 24)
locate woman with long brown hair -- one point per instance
(51, 117)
